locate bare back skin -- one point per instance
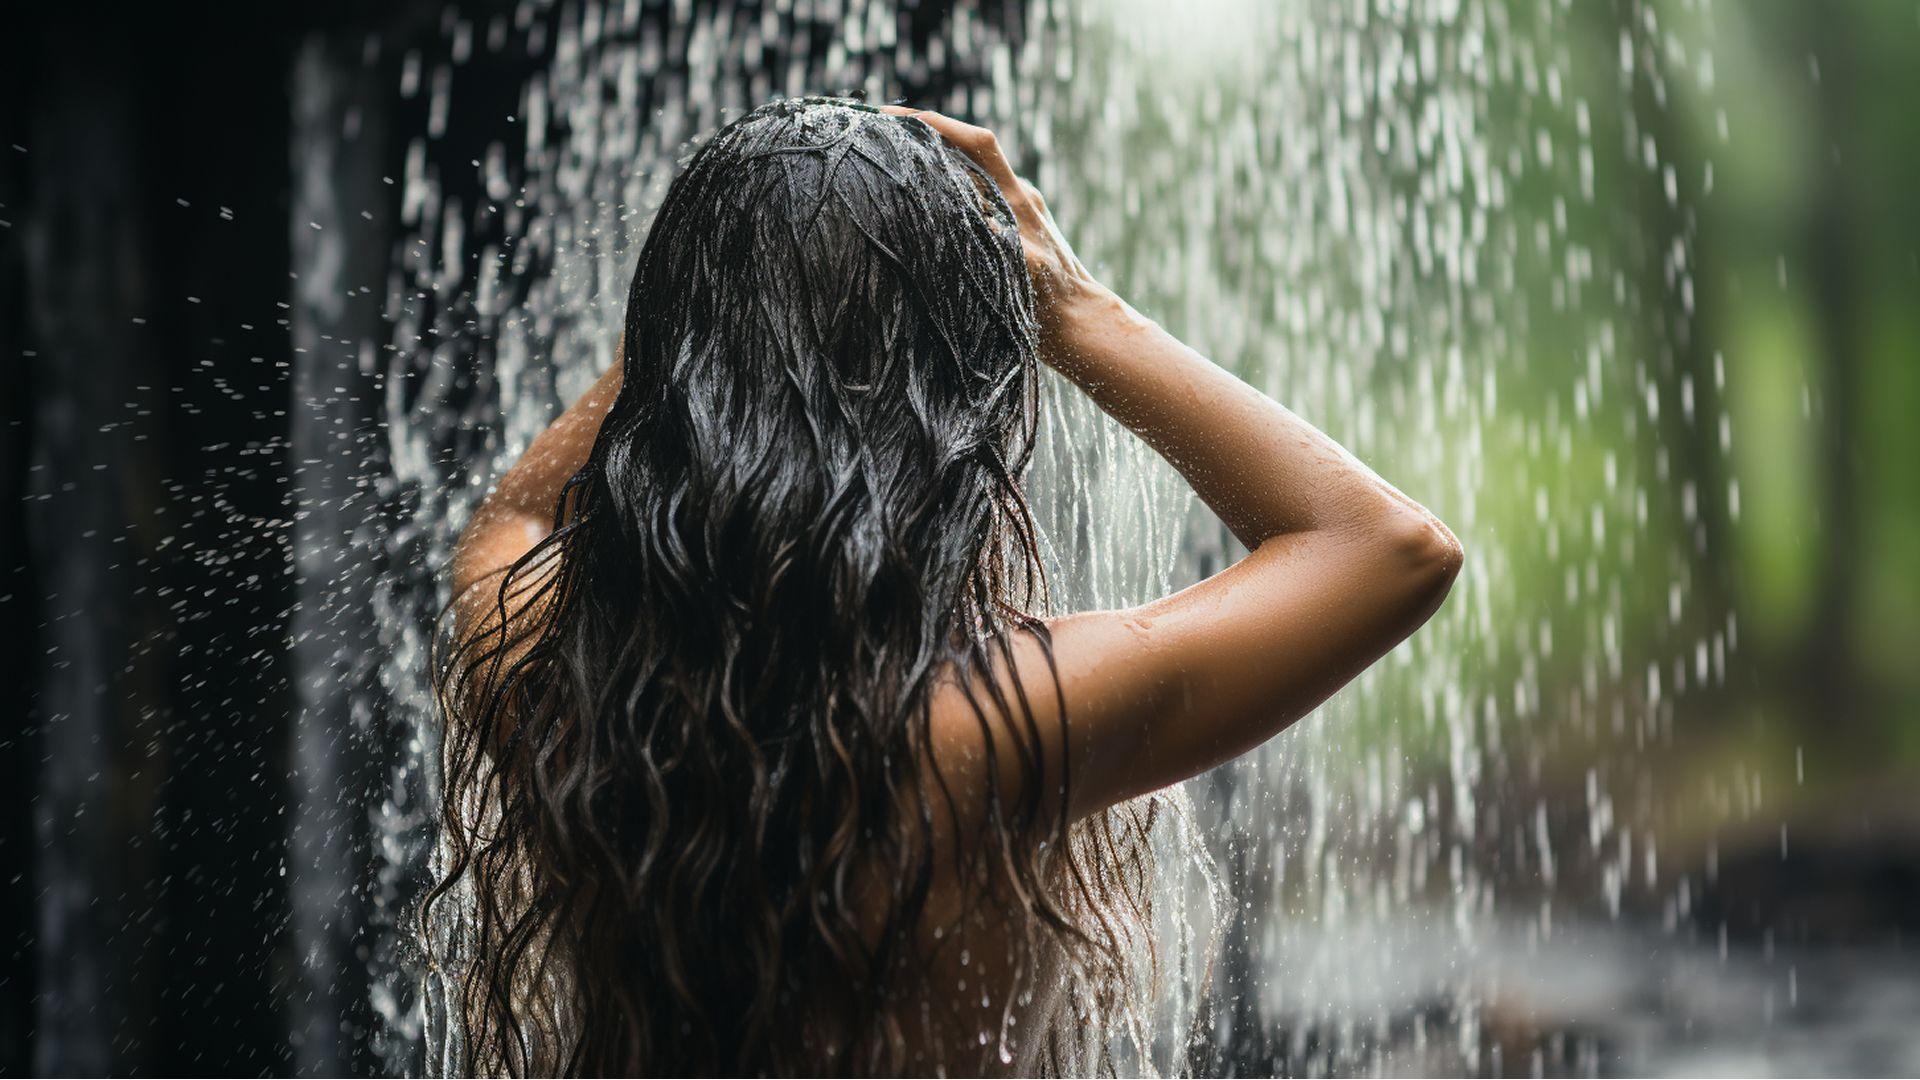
(1342, 568)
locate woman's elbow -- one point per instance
(1425, 550)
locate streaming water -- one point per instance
(1450, 233)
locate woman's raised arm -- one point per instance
(518, 513)
(1343, 566)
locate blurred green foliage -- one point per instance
(1812, 291)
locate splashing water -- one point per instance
(1446, 232)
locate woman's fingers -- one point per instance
(976, 142)
(1047, 252)
(1050, 261)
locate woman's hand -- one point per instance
(1061, 285)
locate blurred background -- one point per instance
(1624, 290)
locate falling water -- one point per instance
(1449, 233)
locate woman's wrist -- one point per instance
(1077, 325)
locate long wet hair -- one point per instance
(688, 794)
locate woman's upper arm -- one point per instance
(1163, 692)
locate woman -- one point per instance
(760, 758)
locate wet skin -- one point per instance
(1342, 568)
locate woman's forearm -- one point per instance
(1262, 469)
(518, 513)
(533, 484)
